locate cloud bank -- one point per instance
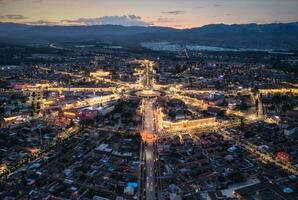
(125, 20)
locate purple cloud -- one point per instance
(174, 12)
(13, 17)
(42, 22)
(125, 20)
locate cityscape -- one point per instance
(148, 111)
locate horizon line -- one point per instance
(172, 27)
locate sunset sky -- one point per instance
(173, 13)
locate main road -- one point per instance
(149, 129)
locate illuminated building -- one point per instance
(99, 74)
(281, 155)
(164, 125)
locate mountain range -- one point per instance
(278, 36)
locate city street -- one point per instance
(149, 150)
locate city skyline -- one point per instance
(175, 13)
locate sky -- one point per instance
(171, 13)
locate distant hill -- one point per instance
(273, 36)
